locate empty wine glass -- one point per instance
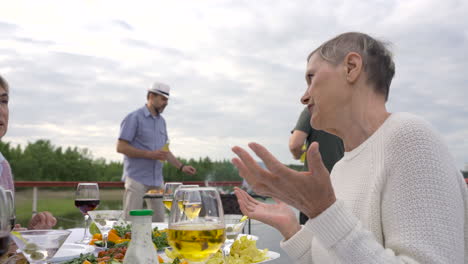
(39, 246)
(4, 223)
(169, 190)
(198, 238)
(105, 220)
(11, 205)
(86, 199)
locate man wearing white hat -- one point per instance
(142, 137)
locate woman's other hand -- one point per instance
(278, 215)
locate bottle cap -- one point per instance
(141, 212)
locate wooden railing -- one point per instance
(102, 184)
(111, 184)
(107, 184)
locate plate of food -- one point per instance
(271, 256)
(70, 251)
(218, 258)
(120, 235)
(244, 250)
(154, 193)
(252, 237)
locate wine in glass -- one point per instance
(86, 199)
(169, 190)
(105, 220)
(198, 238)
(192, 204)
(4, 223)
(180, 200)
(11, 205)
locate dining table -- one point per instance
(71, 250)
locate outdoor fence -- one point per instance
(107, 184)
(104, 184)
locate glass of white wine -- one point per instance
(197, 231)
(168, 195)
(180, 200)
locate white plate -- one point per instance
(160, 225)
(70, 251)
(251, 237)
(270, 254)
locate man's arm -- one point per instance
(296, 141)
(173, 160)
(125, 148)
(179, 165)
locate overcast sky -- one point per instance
(236, 68)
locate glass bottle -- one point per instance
(141, 248)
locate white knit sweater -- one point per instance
(400, 199)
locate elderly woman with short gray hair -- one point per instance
(395, 197)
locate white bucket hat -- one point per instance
(160, 88)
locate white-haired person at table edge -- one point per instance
(42, 220)
(395, 197)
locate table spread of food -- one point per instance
(243, 250)
(196, 231)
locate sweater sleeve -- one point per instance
(422, 208)
(298, 246)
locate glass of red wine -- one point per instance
(4, 223)
(11, 205)
(86, 199)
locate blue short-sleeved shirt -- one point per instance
(144, 131)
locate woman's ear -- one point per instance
(353, 66)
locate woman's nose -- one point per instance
(305, 98)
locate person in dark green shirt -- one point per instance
(330, 146)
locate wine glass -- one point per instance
(39, 246)
(180, 200)
(169, 190)
(86, 199)
(4, 223)
(105, 220)
(234, 227)
(192, 204)
(198, 238)
(11, 205)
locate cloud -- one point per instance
(236, 68)
(154, 48)
(34, 41)
(7, 28)
(122, 24)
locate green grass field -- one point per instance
(60, 202)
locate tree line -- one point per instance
(42, 161)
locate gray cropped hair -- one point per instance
(376, 57)
(3, 83)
